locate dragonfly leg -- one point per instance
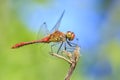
(59, 47)
(65, 46)
(70, 49)
(52, 47)
(71, 44)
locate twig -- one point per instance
(72, 60)
(70, 71)
(61, 57)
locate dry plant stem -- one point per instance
(73, 59)
(72, 67)
(61, 57)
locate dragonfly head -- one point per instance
(70, 35)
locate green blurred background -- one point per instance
(100, 58)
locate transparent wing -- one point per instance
(43, 31)
(57, 25)
(57, 47)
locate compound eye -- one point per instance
(70, 35)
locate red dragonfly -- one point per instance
(54, 36)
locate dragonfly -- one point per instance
(54, 35)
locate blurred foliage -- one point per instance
(112, 50)
(104, 4)
(43, 1)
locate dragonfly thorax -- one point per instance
(70, 35)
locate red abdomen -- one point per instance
(18, 45)
(44, 40)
